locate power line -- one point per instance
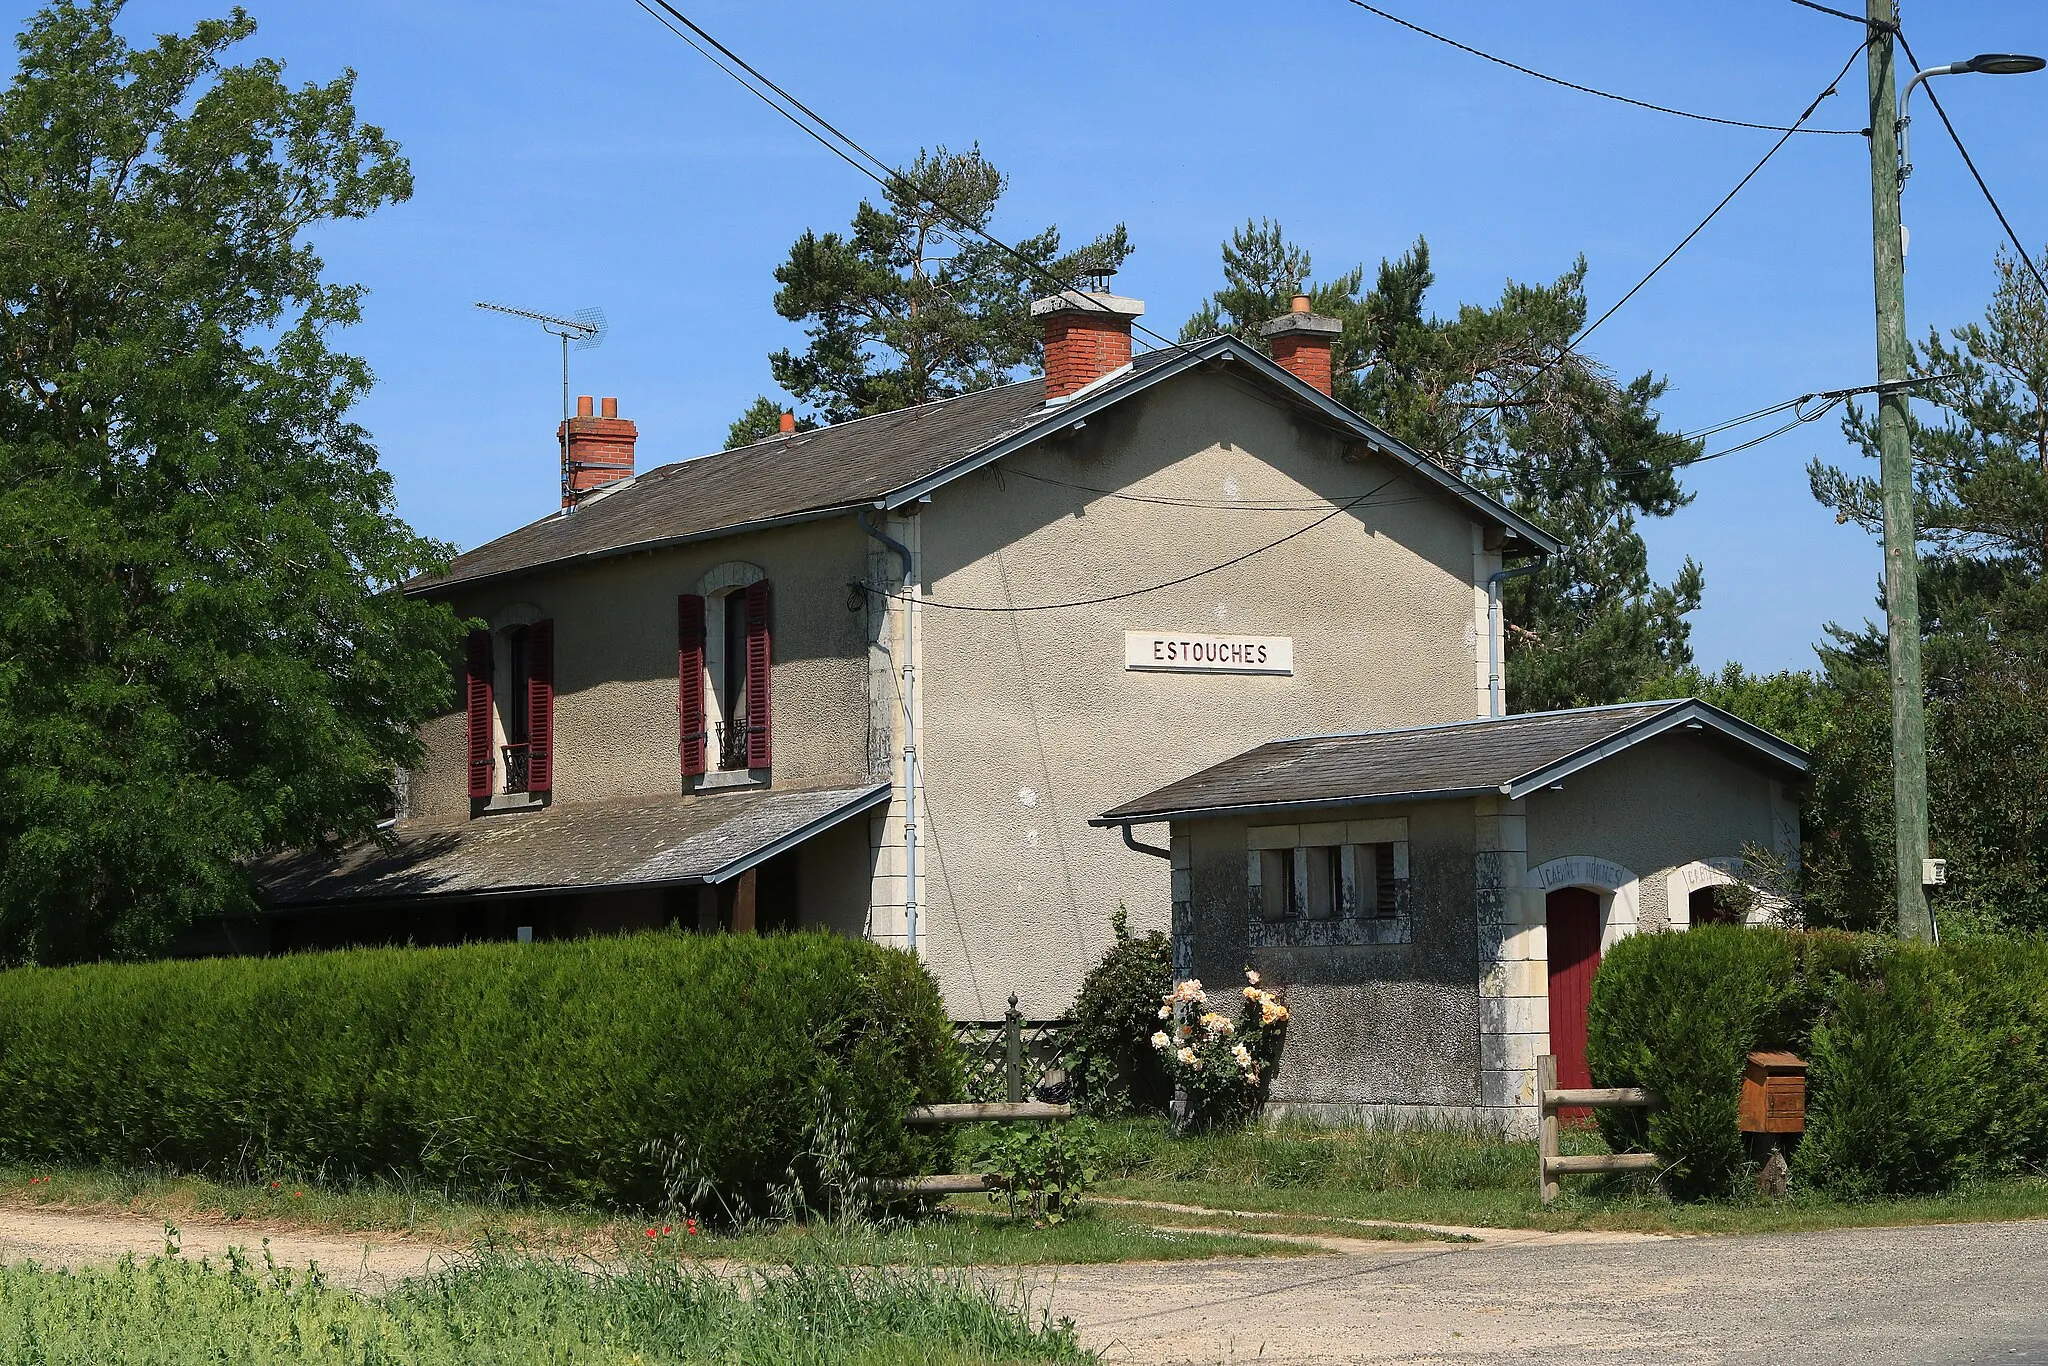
(1975, 174)
(1298, 532)
(883, 174)
(1882, 25)
(1590, 90)
(1572, 346)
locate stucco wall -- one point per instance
(616, 726)
(1670, 801)
(1375, 1027)
(1031, 723)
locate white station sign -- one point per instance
(1171, 652)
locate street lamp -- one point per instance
(1912, 869)
(1983, 64)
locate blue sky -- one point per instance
(573, 153)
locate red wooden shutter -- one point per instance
(690, 680)
(759, 751)
(540, 706)
(478, 699)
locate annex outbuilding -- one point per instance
(1435, 898)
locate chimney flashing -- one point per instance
(1100, 382)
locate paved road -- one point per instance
(1968, 1294)
(1965, 1294)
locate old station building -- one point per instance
(882, 676)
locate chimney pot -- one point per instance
(787, 422)
(1299, 304)
(584, 406)
(609, 408)
(1087, 336)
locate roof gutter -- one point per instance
(1197, 813)
(415, 590)
(1137, 846)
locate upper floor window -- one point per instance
(724, 675)
(510, 696)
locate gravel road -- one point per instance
(1966, 1294)
(59, 1238)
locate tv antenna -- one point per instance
(586, 329)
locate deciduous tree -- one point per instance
(202, 655)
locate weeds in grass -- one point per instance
(168, 1312)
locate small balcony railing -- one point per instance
(732, 742)
(515, 767)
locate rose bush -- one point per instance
(1221, 1065)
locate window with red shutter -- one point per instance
(759, 658)
(478, 700)
(540, 706)
(690, 682)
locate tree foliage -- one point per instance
(1980, 465)
(201, 655)
(908, 307)
(1493, 394)
(761, 420)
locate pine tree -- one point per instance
(908, 306)
(1493, 395)
(1980, 462)
(203, 655)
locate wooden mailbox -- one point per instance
(1773, 1095)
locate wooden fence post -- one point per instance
(1546, 1134)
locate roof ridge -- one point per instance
(1662, 703)
(856, 421)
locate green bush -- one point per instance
(1107, 1045)
(627, 1070)
(1925, 1065)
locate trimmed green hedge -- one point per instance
(1926, 1065)
(620, 1070)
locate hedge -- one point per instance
(614, 1071)
(1926, 1064)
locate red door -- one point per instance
(1573, 914)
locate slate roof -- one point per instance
(882, 461)
(694, 838)
(1510, 755)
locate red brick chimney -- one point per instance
(1087, 335)
(1301, 342)
(596, 451)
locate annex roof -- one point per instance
(888, 460)
(695, 838)
(1510, 755)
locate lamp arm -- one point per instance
(1905, 100)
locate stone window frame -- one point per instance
(1285, 856)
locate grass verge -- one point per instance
(966, 1233)
(168, 1312)
(1466, 1176)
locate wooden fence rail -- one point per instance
(1550, 1164)
(972, 1112)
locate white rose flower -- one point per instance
(1160, 1040)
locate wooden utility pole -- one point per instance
(1895, 474)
